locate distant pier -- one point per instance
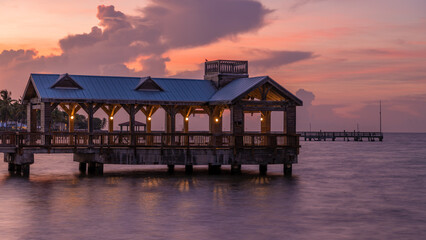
(345, 136)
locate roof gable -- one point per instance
(67, 82)
(30, 90)
(147, 84)
(241, 87)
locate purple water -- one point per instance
(340, 190)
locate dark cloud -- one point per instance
(300, 3)
(197, 22)
(81, 40)
(9, 57)
(278, 58)
(162, 25)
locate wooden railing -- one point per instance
(226, 66)
(189, 140)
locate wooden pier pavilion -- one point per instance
(226, 85)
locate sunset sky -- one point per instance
(339, 56)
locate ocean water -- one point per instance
(339, 190)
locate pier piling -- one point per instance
(189, 169)
(214, 169)
(263, 169)
(170, 168)
(82, 167)
(288, 169)
(235, 168)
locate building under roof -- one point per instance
(226, 85)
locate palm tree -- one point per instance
(58, 117)
(17, 112)
(5, 106)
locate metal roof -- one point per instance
(122, 89)
(97, 88)
(235, 88)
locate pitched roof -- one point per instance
(158, 90)
(235, 88)
(104, 88)
(242, 86)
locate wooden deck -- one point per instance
(188, 149)
(345, 136)
(143, 140)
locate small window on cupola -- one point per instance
(147, 84)
(65, 81)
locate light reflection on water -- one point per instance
(339, 190)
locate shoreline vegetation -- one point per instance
(13, 116)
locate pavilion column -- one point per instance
(131, 109)
(215, 124)
(110, 110)
(237, 124)
(71, 109)
(45, 117)
(290, 128)
(285, 122)
(170, 122)
(185, 112)
(148, 111)
(46, 120)
(31, 118)
(90, 109)
(265, 125)
(290, 120)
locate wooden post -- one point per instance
(82, 167)
(31, 118)
(235, 168)
(71, 109)
(110, 110)
(45, 120)
(237, 125)
(90, 123)
(31, 122)
(186, 112)
(90, 109)
(215, 124)
(189, 169)
(290, 118)
(170, 122)
(263, 168)
(265, 126)
(148, 111)
(45, 117)
(148, 130)
(132, 113)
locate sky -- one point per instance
(341, 57)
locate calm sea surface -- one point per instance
(340, 190)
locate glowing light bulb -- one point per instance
(261, 119)
(111, 117)
(217, 119)
(187, 118)
(72, 117)
(149, 118)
